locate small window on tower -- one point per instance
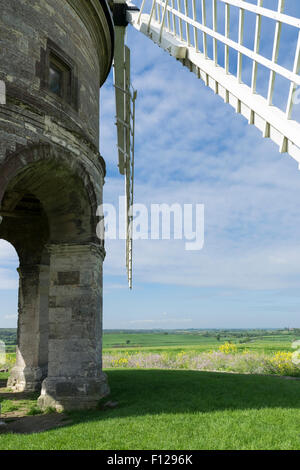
(58, 74)
(59, 78)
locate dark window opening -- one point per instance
(55, 80)
(60, 78)
(58, 75)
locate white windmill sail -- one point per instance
(125, 121)
(181, 27)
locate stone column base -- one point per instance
(75, 393)
(26, 379)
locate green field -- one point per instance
(254, 340)
(160, 342)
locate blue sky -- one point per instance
(192, 148)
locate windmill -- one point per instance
(182, 29)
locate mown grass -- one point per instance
(16, 403)
(181, 410)
(28, 405)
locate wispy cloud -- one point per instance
(165, 321)
(8, 263)
(7, 253)
(8, 280)
(10, 317)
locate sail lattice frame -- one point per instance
(179, 26)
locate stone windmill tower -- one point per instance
(55, 55)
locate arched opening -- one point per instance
(48, 212)
(25, 225)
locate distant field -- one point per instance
(263, 355)
(9, 337)
(160, 342)
(112, 340)
(157, 342)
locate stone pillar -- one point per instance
(75, 378)
(32, 349)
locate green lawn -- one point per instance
(182, 410)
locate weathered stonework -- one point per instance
(75, 326)
(32, 353)
(51, 179)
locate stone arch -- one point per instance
(60, 182)
(48, 201)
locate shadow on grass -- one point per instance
(172, 391)
(144, 392)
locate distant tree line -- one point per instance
(8, 336)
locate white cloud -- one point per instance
(167, 263)
(7, 253)
(7, 280)
(10, 317)
(9, 262)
